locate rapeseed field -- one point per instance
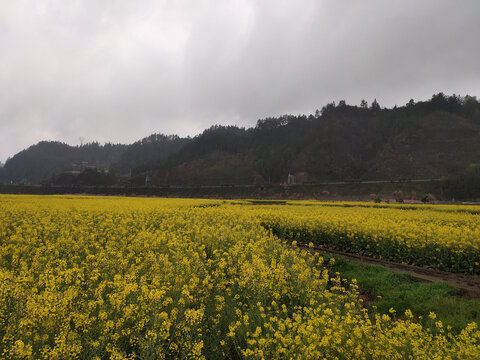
(138, 278)
(441, 237)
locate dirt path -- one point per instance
(470, 285)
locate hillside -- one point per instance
(151, 151)
(429, 139)
(46, 158)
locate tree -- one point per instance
(471, 106)
(364, 104)
(439, 101)
(329, 108)
(375, 105)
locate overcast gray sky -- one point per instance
(120, 70)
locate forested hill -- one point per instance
(45, 159)
(428, 139)
(148, 153)
(431, 139)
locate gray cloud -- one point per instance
(120, 70)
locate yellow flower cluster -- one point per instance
(446, 237)
(126, 278)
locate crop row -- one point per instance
(446, 240)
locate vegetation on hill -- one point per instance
(45, 161)
(47, 158)
(151, 151)
(438, 138)
(87, 177)
(431, 139)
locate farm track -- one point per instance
(469, 285)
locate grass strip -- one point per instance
(385, 289)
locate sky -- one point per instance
(117, 71)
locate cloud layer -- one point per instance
(120, 70)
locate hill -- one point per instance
(150, 152)
(432, 139)
(46, 158)
(437, 138)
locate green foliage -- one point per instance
(465, 186)
(428, 198)
(387, 290)
(88, 177)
